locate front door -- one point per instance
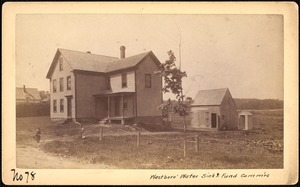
(69, 107)
(117, 106)
(213, 120)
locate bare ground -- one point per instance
(33, 157)
(61, 146)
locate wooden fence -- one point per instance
(32, 109)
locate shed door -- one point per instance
(213, 120)
(242, 122)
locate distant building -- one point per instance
(24, 95)
(214, 109)
(245, 120)
(86, 86)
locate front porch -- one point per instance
(115, 107)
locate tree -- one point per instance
(172, 77)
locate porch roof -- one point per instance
(106, 94)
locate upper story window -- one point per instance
(54, 85)
(61, 84)
(148, 80)
(61, 105)
(68, 82)
(107, 81)
(61, 66)
(54, 106)
(124, 80)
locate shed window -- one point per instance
(54, 85)
(54, 105)
(61, 84)
(148, 80)
(69, 83)
(124, 80)
(60, 64)
(61, 105)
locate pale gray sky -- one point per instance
(241, 52)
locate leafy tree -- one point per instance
(172, 77)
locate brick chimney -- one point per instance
(122, 52)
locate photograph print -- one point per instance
(149, 91)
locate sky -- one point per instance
(241, 52)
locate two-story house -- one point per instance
(86, 86)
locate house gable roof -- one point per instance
(97, 63)
(29, 92)
(20, 95)
(210, 97)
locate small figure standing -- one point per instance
(38, 135)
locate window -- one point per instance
(148, 81)
(61, 105)
(107, 80)
(54, 106)
(54, 85)
(124, 80)
(60, 64)
(61, 84)
(68, 82)
(125, 106)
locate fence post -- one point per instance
(138, 139)
(101, 133)
(197, 143)
(184, 146)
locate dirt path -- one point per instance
(33, 157)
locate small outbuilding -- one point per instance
(245, 120)
(214, 109)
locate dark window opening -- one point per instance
(124, 80)
(54, 85)
(148, 81)
(108, 83)
(125, 105)
(61, 84)
(54, 106)
(61, 105)
(60, 64)
(69, 83)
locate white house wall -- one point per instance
(61, 94)
(116, 82)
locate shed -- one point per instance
(214, 109)
(245, 120)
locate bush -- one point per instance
(32, 109)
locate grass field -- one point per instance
(258, 148)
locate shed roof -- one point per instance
(210, 97)
(97, 63)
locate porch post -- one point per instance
(108, 109)
(122, 109)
